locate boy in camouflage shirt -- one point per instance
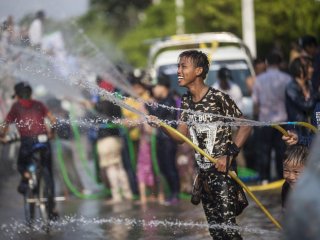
(219, 193)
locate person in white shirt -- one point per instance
(225, 85)
(36, 30)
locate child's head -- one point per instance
(294, 162)
(198, 59)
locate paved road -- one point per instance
(95, 219)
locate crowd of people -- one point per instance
(24, 35)
(154, 153)
(282, 95)
(278, 96)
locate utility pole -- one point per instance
(248, 26)
(179, 16)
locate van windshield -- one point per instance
(239, 70)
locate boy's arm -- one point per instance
(4, 128)
(242, 135)
(53, 125)
(51, 118)
(240, 138)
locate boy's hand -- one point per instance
(221, 164)
(291, 139)
(153, 121)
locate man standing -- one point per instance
(224, 84)
(36, 30)
(219, 194)
(269, 106)
(166, 147)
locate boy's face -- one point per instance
(159, 91)
(138, 89)
(291, 172)
(187, 72)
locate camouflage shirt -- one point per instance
(212, 138)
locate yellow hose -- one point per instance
(269, 186)
(281, 129)
(304, 124)
(231, 174)
(307, 125)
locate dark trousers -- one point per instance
(219, 199)
(25, 159)
(128, 166)
(166, 154)
(269, 139)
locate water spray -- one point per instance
(22, 58)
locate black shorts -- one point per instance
(24, 157)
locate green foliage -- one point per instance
(131, 23)
(213, 16)
(158, 23)
(120, 15)
(284, 21)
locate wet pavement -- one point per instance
(95, 219)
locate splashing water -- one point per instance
(37, 65)
(71, 222)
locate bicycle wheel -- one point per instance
(45, 198)
(29, 205)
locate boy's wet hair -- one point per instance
(297, 154)
(22, 90)
(199, 59)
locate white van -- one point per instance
(223, 49)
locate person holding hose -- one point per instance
(221, 197)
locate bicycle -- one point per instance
(38, 194)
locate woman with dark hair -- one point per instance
(300, 95)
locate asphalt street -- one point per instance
(96, 219)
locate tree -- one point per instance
(131, 23)
(213, 16)
(284, 21)
(120, 15)
(158, 23)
